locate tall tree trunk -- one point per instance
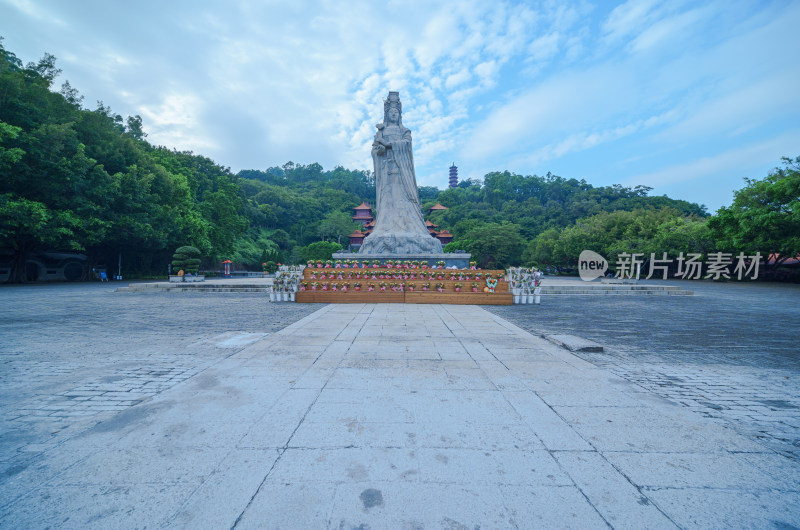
(18, 268)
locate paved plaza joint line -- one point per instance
(394, 416)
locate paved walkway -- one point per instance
(730, 352)
(389, 416)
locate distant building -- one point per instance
(356, 239)
(444, 236)
(436, 207)
(453, 176)
(363, 214)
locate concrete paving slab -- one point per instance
(715, 508)
(681, 470)
(619, 502)
(550, 507)
(277, 505)
(391, 416)
(446, 506)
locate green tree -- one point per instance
(12, 155)
(321, 250)
(496, 245)
(221, 209)
(764, 216)
(336, 226)
(187, 259)
(540, 249)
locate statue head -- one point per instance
(393, 109)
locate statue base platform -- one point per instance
(451, 259)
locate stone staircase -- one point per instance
(239, 286)
(548, 289)
(614, 289)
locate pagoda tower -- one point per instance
(363, 214)
(453, 176)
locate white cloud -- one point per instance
(545, 47)
(490, 84)
(720, 90)
(759, 154)
(458, 78)
(174, 122)
(578, 100)
(629, 18)
(36, 11)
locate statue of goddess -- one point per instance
(399, 227)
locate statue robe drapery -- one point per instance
(399, 227)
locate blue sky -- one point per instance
(687, 97)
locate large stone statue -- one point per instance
(399, 227)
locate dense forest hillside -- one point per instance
(88, 181)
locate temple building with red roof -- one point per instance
(436, 207)
(444, 236)
(356, 239)
(363, 214)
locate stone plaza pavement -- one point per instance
(393, 416)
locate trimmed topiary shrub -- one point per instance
(186, 259)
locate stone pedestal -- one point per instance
(451, 259)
